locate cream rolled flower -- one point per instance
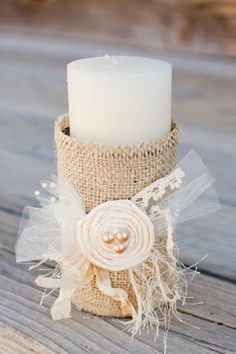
(115, 235)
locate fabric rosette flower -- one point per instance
(115, 235)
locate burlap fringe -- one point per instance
(101, 173)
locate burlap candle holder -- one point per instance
(108, 220)
(101, 173)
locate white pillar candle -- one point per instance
(119, 100)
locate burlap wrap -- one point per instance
(103, 172)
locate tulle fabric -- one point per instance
(47, 232)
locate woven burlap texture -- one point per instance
(103, 172)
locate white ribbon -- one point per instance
(61, 309)
(104, 285)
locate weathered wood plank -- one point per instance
(64, 336)
(215, 318)
(204, 97)
(12, 342)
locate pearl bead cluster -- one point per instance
(45, 185)
(117, 239)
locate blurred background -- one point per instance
(205, 26)
(198, 37)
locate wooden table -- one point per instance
(32, 94)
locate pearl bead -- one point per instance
(119, 248)
(122, 236)
(37, 193)
(53, 199)
(44, 185)
(108, 237)
(52, 185)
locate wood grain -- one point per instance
(20, 309)
(12, 342)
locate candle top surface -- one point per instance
(117, 65)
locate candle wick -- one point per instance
(112, 59)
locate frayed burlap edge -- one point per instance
(103, 172)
